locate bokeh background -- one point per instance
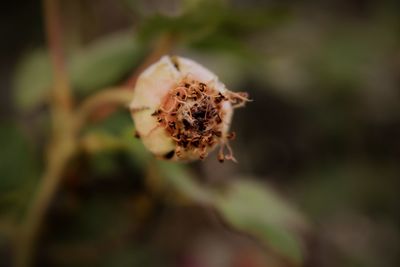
(318, 178)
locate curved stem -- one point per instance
(112, 96)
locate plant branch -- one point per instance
(62, 145)
(112, 96)
(62, 92)
(66, 126)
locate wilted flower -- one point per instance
(182, 111)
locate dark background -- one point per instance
(323, 131)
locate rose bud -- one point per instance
(182, 111)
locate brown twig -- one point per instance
(66, 125)
(62, 92)
(112, 96)
(61, 146)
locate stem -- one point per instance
(111, 96)
(66, 126)
(62, 145)
(62, 92)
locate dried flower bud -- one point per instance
(182, 112)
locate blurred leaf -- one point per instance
(183, 25)
(248, 207)
(255, 209)
(115, 124)
(103, 163)
(18, 167)
(132, 256)
(142, 9)
(104, 140)
(217, 26)
(223, 43)
(17, 164)
(32, 79)
(180, 178)
(139, 155)
(101, 64)
(105, 62)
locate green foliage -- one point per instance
(182, 181)
(212, 25)
(103, 63)
(132, 256)
(32, 79)
(18, 168)
(254, 208)
(17, 164)
(247, 206)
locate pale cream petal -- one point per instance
(189, 68)
(158, 142)
(154, 83)
(151, 87)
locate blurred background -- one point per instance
(318, 178)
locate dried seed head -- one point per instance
(182, 112)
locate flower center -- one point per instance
(192, 114)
